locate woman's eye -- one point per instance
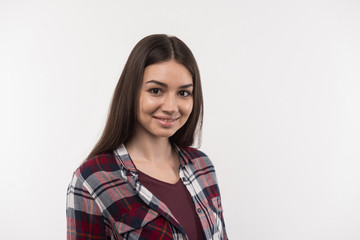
(184, 93)
(155, 91)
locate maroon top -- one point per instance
(178, 200)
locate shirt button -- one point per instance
(199, 210)
(184, 179)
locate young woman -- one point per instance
(143, 180)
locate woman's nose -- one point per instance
(170, 103)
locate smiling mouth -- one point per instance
(167, 119)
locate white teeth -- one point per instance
(167, 120)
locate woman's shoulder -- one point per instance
(196, 156)
(105, 161)
(98, 172)
(194, 151)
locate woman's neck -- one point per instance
(149, 148)
(154, 156)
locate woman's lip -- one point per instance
(166, 121)
(167, 118)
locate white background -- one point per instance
(281, 82)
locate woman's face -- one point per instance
(165, 99)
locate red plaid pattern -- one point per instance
(106, 201)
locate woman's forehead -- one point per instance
(168, 72)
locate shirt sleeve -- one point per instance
(83, 215)
(218, 202)
(224, 235)
(221, 211)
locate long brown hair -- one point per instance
(122, 116)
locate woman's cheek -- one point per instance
(189, 107)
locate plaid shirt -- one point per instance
(106, 201)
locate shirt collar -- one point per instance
(186, 156)
(123, 156)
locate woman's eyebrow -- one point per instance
(165, 85)
(187, 85)
(158, 83)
